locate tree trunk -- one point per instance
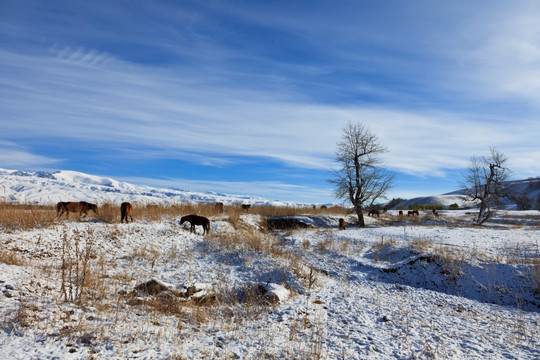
(479, 219)
(482, 216)
(360, 214)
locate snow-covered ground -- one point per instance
(405, 288)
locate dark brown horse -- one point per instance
(125, 211)
(246, 207)
(342, 224)
(219, 207)
(82, 207)
(374, 212)
(196, 220)
(413, 213)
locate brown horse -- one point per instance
(125, 211)
(196, 220)
(342, 224)
(219, 207)
(246, 207)
(373, 213)
(413, 213)
(82, 207)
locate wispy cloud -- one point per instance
(126, 106)
(17, 157)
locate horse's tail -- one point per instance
(58, 207)
(207, 226)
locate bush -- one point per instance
(453, 206)
(523, 202)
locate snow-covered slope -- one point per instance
(49, 188)
(529, 188)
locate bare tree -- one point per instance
(486, 180)
(360, 179)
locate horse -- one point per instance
(125, 211)
(82, 207)
(246, 207)
(342, 224)
(413, 212)
(219, 207)
(324, 207)
(374, 212)
(400, 212)
(196, 220)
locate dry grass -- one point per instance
(422, 245)
(383, 243)
(30, 216)
(10, 257)
(25, 217)
(77, 253)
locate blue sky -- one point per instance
(250, 97)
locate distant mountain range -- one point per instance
(24, 187)
(40, 187)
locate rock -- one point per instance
(136, 301)
(276, 293)
(155, 286)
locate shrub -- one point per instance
(453, 206)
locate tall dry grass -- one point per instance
(31, 216)
(26, 217)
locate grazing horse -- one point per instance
(246, 207)
(373, 213)
(125, 210)
(82, 207)
(196, 220)
(413, 212)
(219, 207)
(342, 224)
(324, 207)
(400, 212)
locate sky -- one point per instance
(251, 97)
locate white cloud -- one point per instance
(13, 156)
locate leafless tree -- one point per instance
(360, 178)
(486, 181)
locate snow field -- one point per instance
(383, 292)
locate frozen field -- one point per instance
(432, 287)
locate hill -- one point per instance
(529, 188)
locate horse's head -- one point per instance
(92, 207)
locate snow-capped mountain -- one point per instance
(41, 187)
